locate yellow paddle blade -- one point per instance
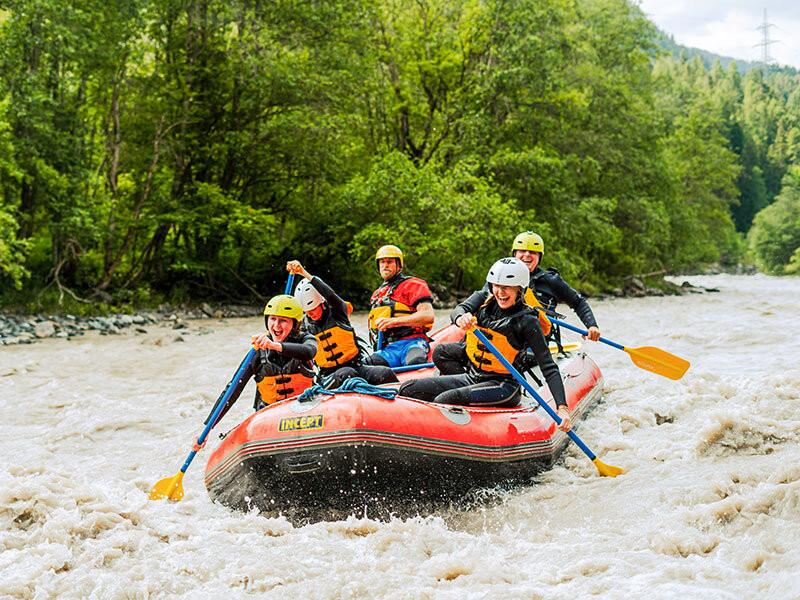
(170, 488)
(658, 361)
(607, 470)
(572, 347)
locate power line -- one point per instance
(766, 42)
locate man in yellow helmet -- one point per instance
(401, 313)
(549, 287)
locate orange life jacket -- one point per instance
(532, 301)
(482, 358)
(388, 308)
(279, 387)
(335, 346)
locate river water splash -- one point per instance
(709, 505)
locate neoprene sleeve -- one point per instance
(574, 300)
(305, 350)
(337, 305)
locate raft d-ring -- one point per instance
(456, 414)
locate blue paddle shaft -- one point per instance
(231, 387)
(524, 383)
(412, 367)
(289, 284)
(380, 340)
(212, 421)
(566, 325)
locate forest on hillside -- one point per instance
(183, 150)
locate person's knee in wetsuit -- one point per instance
(371, 374)
(428, 388)
(377, 375)
(451, 359)
(338, 377)
(377, 360)
(505, 394)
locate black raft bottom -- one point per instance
(332, 483)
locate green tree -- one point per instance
(11, 248)
(775, 236)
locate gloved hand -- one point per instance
(526, 360)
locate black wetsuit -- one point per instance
(335, 314)
(297, 357)
(550, 289)
(479, 387)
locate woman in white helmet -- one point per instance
(513, 327)
(327, 318)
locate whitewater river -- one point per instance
(709, 506)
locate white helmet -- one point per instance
(509, 271)
(308, 296)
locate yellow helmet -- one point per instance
(389, 252)
(284, 306)
(527, 240)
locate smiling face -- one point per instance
(279, 327)
(388, 267)
(529, 257)
(506, 295)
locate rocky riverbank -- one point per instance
(27, 329)
(635, 287)
(17, 329)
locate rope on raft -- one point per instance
(355, 385)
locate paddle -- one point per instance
(405, 368)
(172, 487)
(648, 358)
(602, 468)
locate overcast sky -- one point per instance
(729, 27)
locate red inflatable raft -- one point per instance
(334, 447)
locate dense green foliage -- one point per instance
(185, 149)
(775, 236)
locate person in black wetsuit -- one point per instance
(513, 327)
(545, 289)
(282, 364)
(327, 317)
(549, 287)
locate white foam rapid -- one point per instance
(709, 506)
